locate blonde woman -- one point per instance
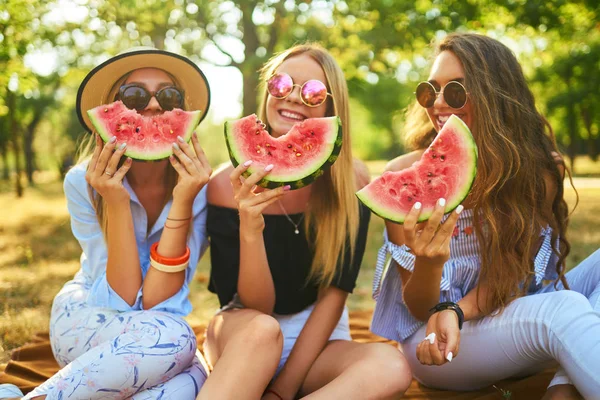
(284, 262)
(117, 329)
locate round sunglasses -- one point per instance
(313, 93)
(454, 94)
(137, 97)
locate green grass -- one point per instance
(38, 255)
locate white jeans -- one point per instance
(532, 333)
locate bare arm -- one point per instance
(255, 282)
(194, 171)
(312, 340)
(123, 272)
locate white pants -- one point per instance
(106, 354)
(532, 333)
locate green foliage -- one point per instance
(383, 47)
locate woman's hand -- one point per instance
(250, 203)
(102, 173)
(442, 341)
(193, 169)
(431, 244)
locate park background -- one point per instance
(383, 46)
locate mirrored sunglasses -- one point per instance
(313, 92)
(454, 94)
(137, 97)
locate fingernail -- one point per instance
(442, 202)
(431, 337)
(287, 187)
(449, 356)
(269, 167)
(248, 163)
(175, 146)
(180, 139)
(417, 206)
(129, 160)
(113, 139)
(122, 146)
(458, 211)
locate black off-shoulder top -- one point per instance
(289, 256)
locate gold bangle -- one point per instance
(168, 268)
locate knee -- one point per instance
(388, 368)
(568, 307)
(262, 332)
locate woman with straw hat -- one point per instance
(117, 328)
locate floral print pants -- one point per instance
(107, 354)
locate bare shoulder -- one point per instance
(362, 174)
(404, 161)
(219, 191)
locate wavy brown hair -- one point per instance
(333, 208)
(515, 144)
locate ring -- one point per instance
(108, 173)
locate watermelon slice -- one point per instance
(299, 157)
(147, 138)
(446, 170)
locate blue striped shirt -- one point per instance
(393, 320)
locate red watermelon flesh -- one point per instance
(299, 157)
(147, 137)
(446, 170)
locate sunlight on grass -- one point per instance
(38, 254)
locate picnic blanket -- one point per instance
(33, 363)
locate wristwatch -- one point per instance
(448, 305)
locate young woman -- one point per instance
(489, 264)
(116, 329)
(283, 262)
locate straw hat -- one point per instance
(97, 84)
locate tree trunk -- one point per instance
(30, 164)
(592, 148)
(252, 62)
(4, 154)
(14, 135)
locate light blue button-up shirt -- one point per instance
(87, 231)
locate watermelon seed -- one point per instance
(298, 154)
(268, 145)
(137, 129)
(410, 198)
(428, 180)
(429, 174)
(434, 156)
(257, 151)
(442, 158)
(269, 153)
(405, 184)
(171, 131)
(119, 128)
(289, 146)
(106, 110)
(312, 133)
(257, 132)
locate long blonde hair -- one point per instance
(515, 144)
(333, 207)
(86, 149)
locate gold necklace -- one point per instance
(296, 225)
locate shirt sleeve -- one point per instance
(179, 303)
(401, 254)
(346, 276)
(87, 231)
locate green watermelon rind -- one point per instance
(302, 179)
(451, 203)
(147, 156)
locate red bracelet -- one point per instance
(169, 260)
(269, 390)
